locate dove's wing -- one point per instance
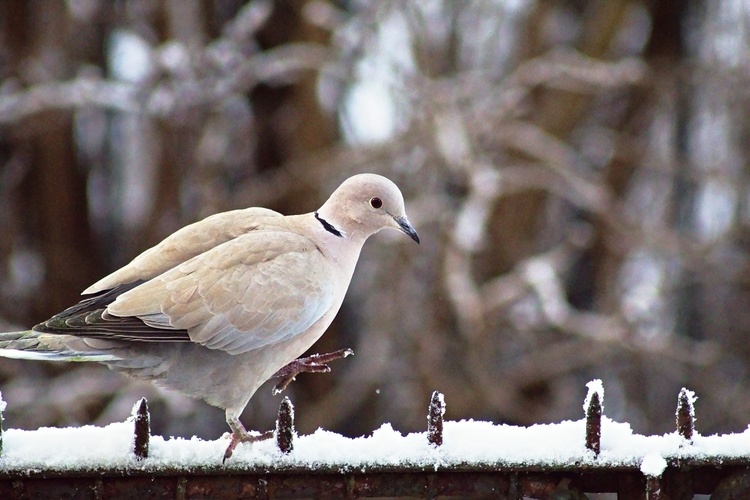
(258, 289)
(184, 244)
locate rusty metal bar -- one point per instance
(230, 484)
(594, 423)
(435, 414)
(653, 488)
(685, 414)
(733, 486)
(142, 430)
(285, 426)
(678, 483)
(683, 477)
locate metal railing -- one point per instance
(721, 476)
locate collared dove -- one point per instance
(224, 304)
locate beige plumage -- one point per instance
(224, 304)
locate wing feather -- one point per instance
(184, 244)
(258, 289)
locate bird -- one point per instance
(226, 303)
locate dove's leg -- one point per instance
(312, 364)
(240, 435)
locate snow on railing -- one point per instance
(451, 458)
(686, 414)
(435, 419)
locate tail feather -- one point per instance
(19, 340)
(33, 345)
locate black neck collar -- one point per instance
(328, 226)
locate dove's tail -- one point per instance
(39, 346)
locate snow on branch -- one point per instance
(175, 78)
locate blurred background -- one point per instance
(577, 170)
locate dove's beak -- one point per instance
(407, 228)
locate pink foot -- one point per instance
(312, 364)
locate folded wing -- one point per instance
(255, 290)
(238, 290)
(185, 244)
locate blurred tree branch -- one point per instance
(164, 100)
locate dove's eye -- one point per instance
(376, 202)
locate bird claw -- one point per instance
(244, 437)
(311, 364)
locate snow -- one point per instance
(439, 401)
(653, 465)
(594, 387)
(466, 443)
(129, 56)
(691, 399)
(481, 444)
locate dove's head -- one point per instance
(364, 204)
